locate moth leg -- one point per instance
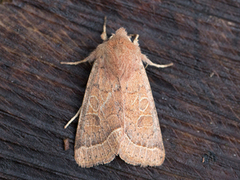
(104, 33)
(73, 118)
(149, 62)
(90, 58)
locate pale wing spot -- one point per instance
(145, 121)
(93, 102)
(143, 104)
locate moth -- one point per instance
(118, 114)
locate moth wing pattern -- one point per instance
(99, 128)
(142, 142)
(118, 115)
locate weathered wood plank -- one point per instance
(198, 100)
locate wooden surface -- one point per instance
(197, 100)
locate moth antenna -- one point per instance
(149, 62)
(104, 33)
(90, 58)
(75, 63)
(73, 118)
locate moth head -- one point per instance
(121, 32)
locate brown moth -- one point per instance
(118, 114)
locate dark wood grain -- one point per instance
(197, 100)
